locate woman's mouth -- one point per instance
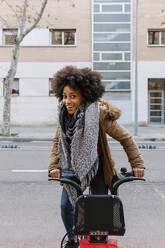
(69, 107)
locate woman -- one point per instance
(80, 143)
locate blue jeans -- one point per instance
(67, 213)
(97, 186)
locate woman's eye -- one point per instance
(72, 96)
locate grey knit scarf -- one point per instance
(80, 154)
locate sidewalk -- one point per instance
(46, 133)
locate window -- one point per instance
(1, 87)
(14, 87)
(51, 93)
(65, 37)
(156, 91)
(116, 85)
(156, 37)
(9, 36)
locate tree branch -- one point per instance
(23, 18)
(10, 6)
(4, 22)
(28, 30)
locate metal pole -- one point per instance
(136, 75)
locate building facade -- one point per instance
(151, 62)
(112, 51)
(90, 33)
(66, 41)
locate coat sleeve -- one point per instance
(119, 133)
(54, 155)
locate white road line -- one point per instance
(15, 171)
(160, 194)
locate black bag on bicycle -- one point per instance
(99, 215)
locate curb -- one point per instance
(26, 139)
(150, 139)
(146, 139)
(32, 138)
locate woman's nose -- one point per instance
(67, 100)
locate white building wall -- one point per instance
(40, 70)
(34, 106)
(34, 87)
(126, 109)
(146, 70)
(37, 37)
(34, 110)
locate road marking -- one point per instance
(159, 193)
(29, 171)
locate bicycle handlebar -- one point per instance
(70, 182)
(126, 177)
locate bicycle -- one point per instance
(97, 216)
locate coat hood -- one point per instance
(108, 111)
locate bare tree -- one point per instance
(21, 33)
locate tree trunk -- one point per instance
(13, 66)
(8, 91)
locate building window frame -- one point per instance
(160, 31)
(51, 93)
(9, 32)
(63, 31)
(14, 88)
(156, 100)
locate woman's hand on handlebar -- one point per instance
(56, 173)
(138, 172)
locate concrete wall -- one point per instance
(32, 110)
(34, 105)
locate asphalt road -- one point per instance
(30, 205)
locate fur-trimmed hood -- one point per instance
(108, 111)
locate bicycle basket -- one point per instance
(99, 214)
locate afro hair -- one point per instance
(85, 80)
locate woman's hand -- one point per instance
(55, 173)
(138, 172)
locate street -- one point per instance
(30, 205)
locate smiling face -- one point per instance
(72, 99)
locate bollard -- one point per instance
(9, 146)
(146, 146)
